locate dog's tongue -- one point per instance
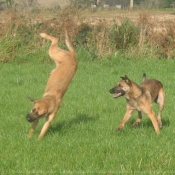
(117, 95)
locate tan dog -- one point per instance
(57, 84)
(140, 98)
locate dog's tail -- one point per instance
(143, 77)
(51, 38)
(68, 42)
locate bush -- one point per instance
(20, 34)
(125, 35)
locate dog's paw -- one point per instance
(119, 128)
(160, 125)
(135, 124)
(43, 35)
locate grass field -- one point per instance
(82, 139)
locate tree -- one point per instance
(165, 3)
(9, 3)
(137, 2)
(155, 3)
(131, 4)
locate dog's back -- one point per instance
(152, 85)
(66, 65)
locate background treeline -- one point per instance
(152, 3)
(88, 3)
(125, 3)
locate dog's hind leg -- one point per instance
(152, 116)
(51, 38)
(138, 119)
(161, 102)
(32, 128)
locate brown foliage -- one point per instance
(143, 36)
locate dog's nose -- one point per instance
(28, 118)
(111, 91)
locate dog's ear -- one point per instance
(127, 80)
(32, 99)
(124, 78)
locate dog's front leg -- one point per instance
(32, 128)
(125, 118)
(46, 125)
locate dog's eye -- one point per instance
(35, 111)
(119, 85)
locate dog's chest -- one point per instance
(136, 104)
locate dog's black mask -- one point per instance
(117, 91)
(32, 116)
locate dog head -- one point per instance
(38, 111)
(122, 87)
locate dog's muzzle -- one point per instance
(30, 117)
(117, 92)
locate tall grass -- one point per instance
(144, 37)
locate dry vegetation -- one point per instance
(149, 33)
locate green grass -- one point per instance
(82, 139)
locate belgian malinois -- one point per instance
(140, 98)
(57, 84)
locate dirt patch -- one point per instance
(120, 15)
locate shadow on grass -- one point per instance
(67, 125)
(148, 123)
(165, 123)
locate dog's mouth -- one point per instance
(31, 118)
(117, 93)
